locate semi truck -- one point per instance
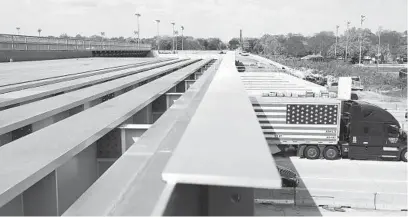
(330, 128)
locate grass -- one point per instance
(371, 79)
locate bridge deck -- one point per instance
(18, 72)
(27, 114)
(33, 157)
(71, 82)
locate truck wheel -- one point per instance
(404, 155)
(330, 153)
(312, 152)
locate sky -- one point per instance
(200, 18)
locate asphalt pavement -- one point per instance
(355, 183)
(289, 210)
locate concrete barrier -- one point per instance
(32, 55)
(16, 56)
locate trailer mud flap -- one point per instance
(301, 150)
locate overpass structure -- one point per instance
(21, 47)
(144, 140)
(148, 136)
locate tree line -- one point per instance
(393, 44)
(166, 42)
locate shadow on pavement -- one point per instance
(287, 201)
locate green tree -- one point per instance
(321, 43)
(295, 45)
(233, 43)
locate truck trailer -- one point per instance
(330, 128)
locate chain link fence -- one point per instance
(33, 43)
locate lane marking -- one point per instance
(356, 180)
(310, 190)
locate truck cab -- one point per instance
(356, 83)
(372, 133)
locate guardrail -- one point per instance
(34, 43)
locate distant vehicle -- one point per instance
(317, 79)
(333, 87)
(222, 52)
(331, 128)
(245, 54)
(356, 83)
(403, 73)
(260, 65)
(240, 66)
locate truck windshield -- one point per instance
(355, 79)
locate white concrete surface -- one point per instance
(18, 72)
(294, 72)
(360, 184)
(289, 210)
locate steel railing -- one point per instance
(34, 43)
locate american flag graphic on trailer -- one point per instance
(298, 123)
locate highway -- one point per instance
(349, 177)
(344, 182)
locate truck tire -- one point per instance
(312, 152)
(331, 153)
(404, 155)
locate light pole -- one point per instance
(361, 37)
(173, 23)
(379, 47)
(158, 36)
(182, 37)
(347, 38)
(18, 30)
(102, 36)
(176, 34)
(335, 47)
(39, 32)
(138, 30)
